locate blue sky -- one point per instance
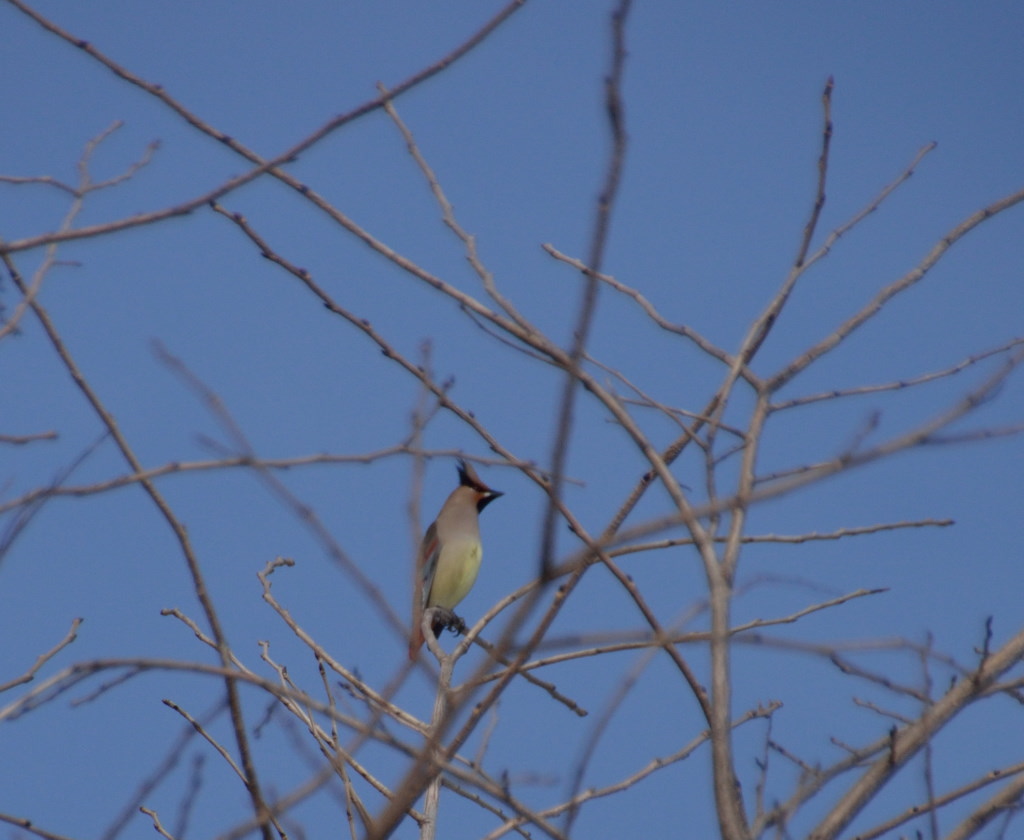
(722, 105)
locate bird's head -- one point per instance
(468, 478)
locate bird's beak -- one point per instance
(488, 497)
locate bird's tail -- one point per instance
(415, 641)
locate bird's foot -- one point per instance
(447, 619)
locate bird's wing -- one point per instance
(426, 566)
(430, 548)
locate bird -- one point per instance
(449, 557)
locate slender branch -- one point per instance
(1005, 800)
(246, 461)
(201, 730)
(149, 812)
(759, 330)
(21, 440)
(43, 658)
(163, 770)
(900, 384)
(29, 826)
(785, 539)
(916, 810)
(649, 309)
(448, 215)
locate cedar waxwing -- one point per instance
(449, 556)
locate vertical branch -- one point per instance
(602, 223)
(432, 799)
(819, 197)
(929, 776)
(764, 324)
(729, 803)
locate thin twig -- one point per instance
(901, 383)
(162, 771)
(43, 658)
(916, 810)
(649, 309)
(21, 440)
(149, 812)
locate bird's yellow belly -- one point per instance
(457, 568)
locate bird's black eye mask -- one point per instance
(484, 501)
